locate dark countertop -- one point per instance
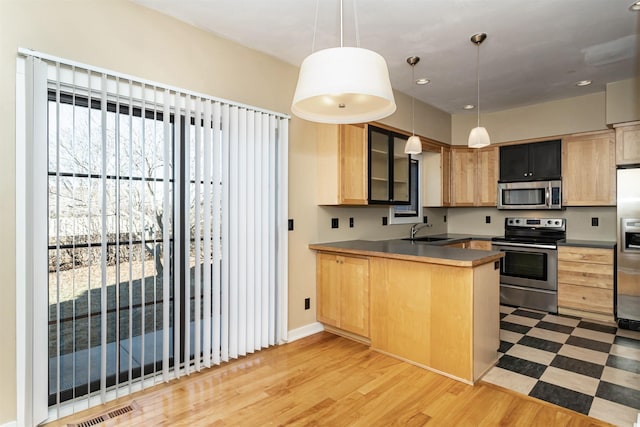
(428, 252)
(602, 244)
(454, 238)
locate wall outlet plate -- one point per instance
(487, 219)
(307, 303)
(335, 223)
(351, 222)
(425, 219)
(594, 221)
(290, 225)
(385, 220)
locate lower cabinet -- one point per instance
(585, 282)
(343, 292)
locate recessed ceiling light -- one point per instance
(422, 81)
(635, 6)
(583, 83)
(469, 107)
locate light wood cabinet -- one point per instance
(343, 292)
(436, 177)
(342, 164)
(487, 177)
(628, 143)
(474, 176)
(589, 169)
(440, 317)
(463, 176)
(484, 245)
(585, 282)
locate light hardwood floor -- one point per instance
(326, 380)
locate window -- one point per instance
(411, 213)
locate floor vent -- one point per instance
(131, 407)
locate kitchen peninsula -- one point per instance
(431, 305)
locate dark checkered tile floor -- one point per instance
(583, 365)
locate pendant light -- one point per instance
(413, 145)
(478, 137)
(343, 85)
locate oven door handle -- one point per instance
(525, 245)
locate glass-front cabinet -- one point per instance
(389, 181)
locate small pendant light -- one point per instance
(478, 137)
(413, 145)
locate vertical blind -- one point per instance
(166, 230)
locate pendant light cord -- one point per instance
(413, 100)
(478, 80)
(315, 27)
(355, 19)
(341, 25)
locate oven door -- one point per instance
(528, 265)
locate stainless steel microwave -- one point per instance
(530, 195)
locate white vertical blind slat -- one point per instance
(250, 231)
(177, 233)
(242, 224)
(166, 238)
(225, 232)
(217, 218)
(188, 280)
(103, 246)
(234, 259)
(264, 241)
(205, 151)
(272, 226)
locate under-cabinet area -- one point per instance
(434, 306)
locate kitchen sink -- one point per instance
(426, 239)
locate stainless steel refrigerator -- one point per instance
(628, 275)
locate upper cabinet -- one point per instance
(342, 164)
(436, 177)
(628, 144)
(589, 169)
(528, 162)
(474, 176)
(389, 181)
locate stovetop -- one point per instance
(533, 230)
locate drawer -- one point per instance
(581, 273)
(585, 298)
(587, 255)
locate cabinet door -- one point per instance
(463, 177)
(487, 184)
(545, 160)
(389, 167)
(328, 288)
(353, 165)
(628, 144)
(514, 162)
(354, 294)
(588, 163)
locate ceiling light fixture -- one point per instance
(635, 6)
(478, 137)
(413, 145)
(583, 83)
(343, 85)
(469, 107)
(423, 81)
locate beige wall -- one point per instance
(579, 114)
(623, 101)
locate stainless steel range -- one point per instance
(529, 269)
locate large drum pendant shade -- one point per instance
(343, 85)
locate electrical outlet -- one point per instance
(425, 219)
(307, 303)
(487, 219)
(334, 223)
(351, 222)
(445, 218)
(290, 224)
(594, 221)
(385, 220)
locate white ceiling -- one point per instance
(535, 50)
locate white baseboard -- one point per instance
(304, 331)
(10, 424)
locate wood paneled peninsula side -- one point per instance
(434, 306)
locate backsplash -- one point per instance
(367, 222)
(473, 221)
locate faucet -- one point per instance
(416, 227)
